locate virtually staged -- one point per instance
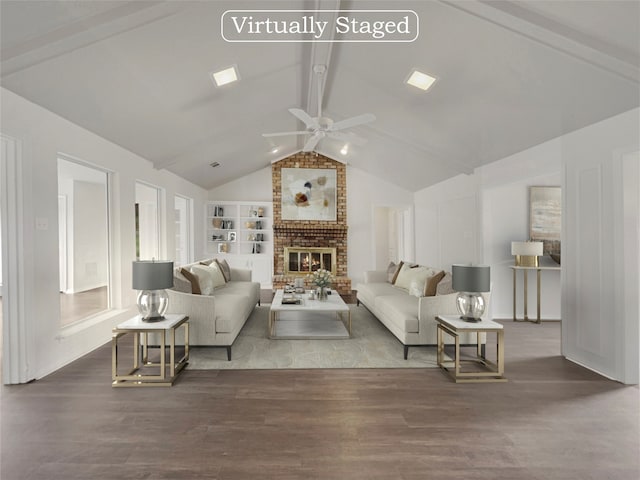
(320, 239)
